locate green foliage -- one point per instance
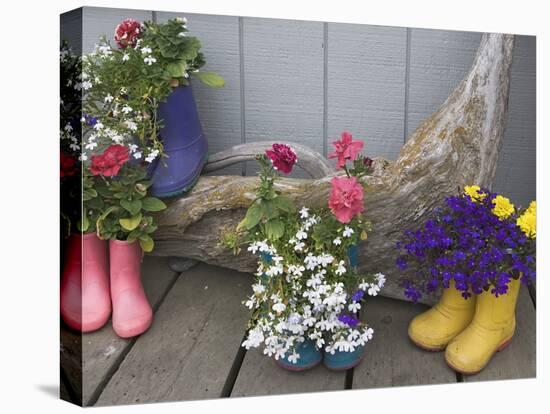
(125, 214)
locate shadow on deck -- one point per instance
(192, 351)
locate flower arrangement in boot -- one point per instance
(479, 249)
(308, 292)
(115, 133)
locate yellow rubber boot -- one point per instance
(435, 328)
(491, 330)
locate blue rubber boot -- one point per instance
(310, 357)
(184, 144)
(341, 361)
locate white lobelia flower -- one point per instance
(380, 279)
(304, 213)
(279, 307)
(133, 147)
(348, 231)
(341, 269)
(86, 85)
(126, 109)
(337, 241)
(109, 98)
(182, 34)
(98, 126)
(186, 75)
(354, 307)
(258, 288)
(301, 235)
(299, 246)
(146, 50)
(255, 338)
(132, 126)
(373, 290)
(125, 57)
(293, 358)
(90, 145)
(152, 155)
(149, 60)
(137, 155)
(75, 147)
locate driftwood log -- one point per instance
(459, 144)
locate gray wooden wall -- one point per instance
(308, 81)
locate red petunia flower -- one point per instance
(68, 165)
(282, 157)
(127, 33)
(346, 149)
(346, 198)
(109, 163)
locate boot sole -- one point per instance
(501, 347)
(427, 348)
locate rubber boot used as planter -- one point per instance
(343, 360)
(435, 328)
(132, 313)
(310, 357)
(85, 299)
(491, 331)
(184, 144)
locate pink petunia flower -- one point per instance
(346, 149)
(282, 157)
(346, 198)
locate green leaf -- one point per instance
(133, 207)
(146, 242)
(177, 69)
(133, 236)
(130, 223)
(210, 79)
(252, 217)
(84, 224)
(284, 203)
(274, 229)
(152, 204)
(269, 209)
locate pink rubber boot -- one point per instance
(132, 313)
(85, 300)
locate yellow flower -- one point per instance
(473, 192)
(502, 207)
(528, 221)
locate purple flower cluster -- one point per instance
(468, 244)
(349, 320)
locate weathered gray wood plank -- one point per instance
(283, 69)
(219, 109)
(63, 392)
(391, 359)
(188, 352)
(71, 29)
(99, 21)
(259, 375)
(101, 349)
(516, 168)
(518, 360)
(439, 59)
(366, 84)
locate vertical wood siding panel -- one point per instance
(99, 21)
(283, 68)
(366, 85)
(71, 29)
(219, 109)
(516, 168)
(438, 62)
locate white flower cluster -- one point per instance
(316, 302)
(113, 121)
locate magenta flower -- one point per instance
(346, 149)
(346, 198)
(282, 157)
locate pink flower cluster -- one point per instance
(346, 196)
(127, 33)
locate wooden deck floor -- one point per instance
(192, 351)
